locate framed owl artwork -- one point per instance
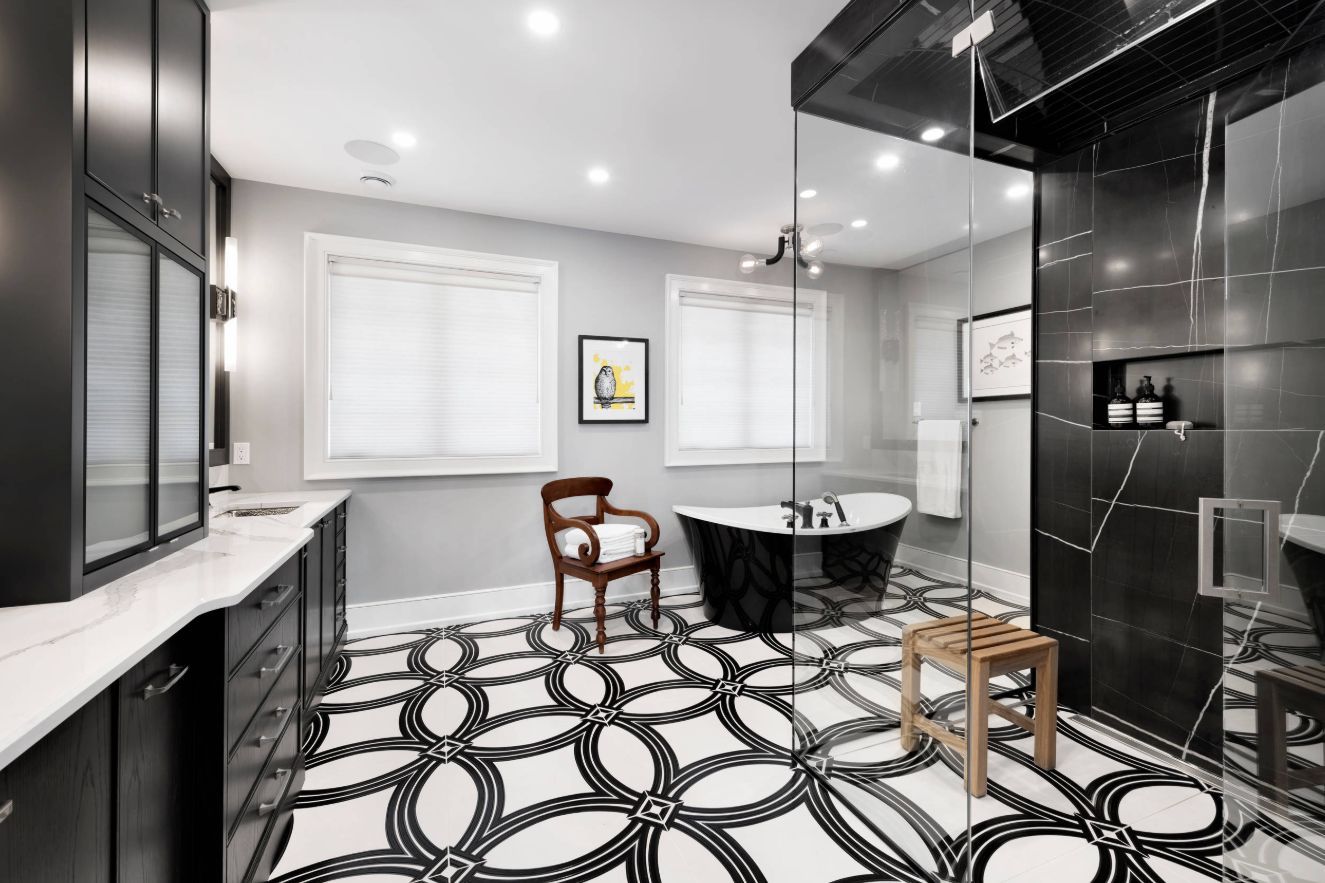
(614, 379)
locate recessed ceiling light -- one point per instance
(1018, 191)
(932, 134)
(404, 139)
(887, 162)
(371, 152)
(599, 175)
(543, 22)
(859, 222)
(809, 193)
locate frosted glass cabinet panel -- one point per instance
(117, 512)
(179, 397)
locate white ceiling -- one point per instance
(685, 102)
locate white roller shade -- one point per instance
(430, 363)
(741, 359)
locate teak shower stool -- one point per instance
(995, 648)
(586, 566)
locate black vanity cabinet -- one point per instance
(102, 290)
(57, 803)
(165, 760)
(324, 598)
(312, 583)
(146, 122)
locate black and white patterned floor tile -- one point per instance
(504, 751)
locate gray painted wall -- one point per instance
(883, 457)
(425, 536)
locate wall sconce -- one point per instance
(224, 305)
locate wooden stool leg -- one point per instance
(1271, 741)
(977, 729)
(600, 613)
(556, 610)
(654, 593)
(1046, 710)
(910, 692)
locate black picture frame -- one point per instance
(963, 368)
(643, 396)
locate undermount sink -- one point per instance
(253, 511)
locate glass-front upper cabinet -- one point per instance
(180, 307)
(144, 481)
(117, 508)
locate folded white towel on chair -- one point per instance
(615, 541)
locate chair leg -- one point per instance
(600, 613)
(654, 593)
(910, 692)
(977, 729)
(556, 610)
(1046, 711)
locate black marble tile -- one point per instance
(1066, 196)
(1156, 468)
(1178, 134)
(1157, 320)
(1073, 669)
(1062, 587)
(1143, 573)
(1063, 486)
(1159, 686)
(1282, 307)
(1287, 466)
(1063, 390)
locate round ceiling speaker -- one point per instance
(372, 153)
(827, 229)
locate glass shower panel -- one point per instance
(1264, 556)
(881, 504)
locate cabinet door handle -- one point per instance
(266, 809)
(174, 674)
(170, 213)
(151, 199)
(279, 713)
(6, 810)
(277, 595)
(340, 549)
(341, 582)
(286, 651)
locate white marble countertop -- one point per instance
(56, 657)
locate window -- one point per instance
(731, 372)
(935, 363)
(427, 361)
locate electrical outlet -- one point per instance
(241, 454)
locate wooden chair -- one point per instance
(995, 648)
(586, 566)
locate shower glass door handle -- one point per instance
(1239, 550)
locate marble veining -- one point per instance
(59, 656)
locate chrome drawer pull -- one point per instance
(286, 652)
(266, 809)
(6, 810)
(173, 676)
(340, 549)
(278, 596)
(279, 713)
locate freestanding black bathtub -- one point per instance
(744, 556)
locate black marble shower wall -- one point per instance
(1133, 266)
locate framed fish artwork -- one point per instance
(614, 379)
(996, 357)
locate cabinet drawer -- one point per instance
(264, 806)
(250, 684)
(246, 621)
(259, 742)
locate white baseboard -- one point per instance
(433, 611)
(1009, 584)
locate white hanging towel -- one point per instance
(939, 468)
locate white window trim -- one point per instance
(319, 249)
(818, 299)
